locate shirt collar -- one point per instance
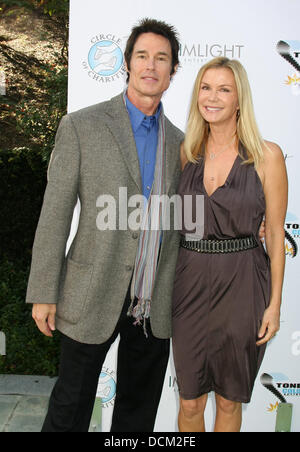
(137, 116)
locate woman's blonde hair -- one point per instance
(247, 131)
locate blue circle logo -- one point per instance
(106, 387)
(105, 58)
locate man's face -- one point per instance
(150, 66)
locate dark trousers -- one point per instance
(142, 364)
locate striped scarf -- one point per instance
(149, 241)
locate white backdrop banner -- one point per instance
(265, 37)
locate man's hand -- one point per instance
(262, 231)
(44, 316)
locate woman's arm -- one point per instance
(276, 194)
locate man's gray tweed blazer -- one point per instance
(95, 154)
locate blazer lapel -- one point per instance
(171, 157)
(120, 126)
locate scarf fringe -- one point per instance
(141, 312)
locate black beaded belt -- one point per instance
(220, 246)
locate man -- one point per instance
(126, 142)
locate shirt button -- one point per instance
(135, 235)
(147, 162)
(148, 187)
(129, 268)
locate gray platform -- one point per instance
(23, 402)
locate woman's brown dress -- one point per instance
(219, 299)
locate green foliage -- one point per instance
(39, 125)
(22, 184)
(28, 351)
(57, 8)
(29, 116)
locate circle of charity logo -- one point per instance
(106, 387)
(105, 58)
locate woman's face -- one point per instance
(218, 97)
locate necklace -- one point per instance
(213, 155)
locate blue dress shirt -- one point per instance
(145, 131)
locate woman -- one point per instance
(227, 293)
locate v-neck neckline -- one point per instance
(226, 180)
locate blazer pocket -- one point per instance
(76, 286)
